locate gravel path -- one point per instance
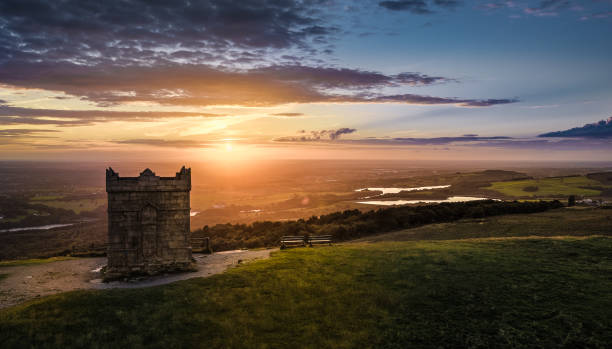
(31, 281)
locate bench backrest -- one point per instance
(320, 238)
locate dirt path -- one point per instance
(31, 281)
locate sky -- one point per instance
(273, 79)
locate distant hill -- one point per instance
(600, 129)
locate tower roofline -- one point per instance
(148, 181)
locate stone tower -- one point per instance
(148, 223)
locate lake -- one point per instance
(397, 190)
(40, 227)
(407, 202)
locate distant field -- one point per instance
(564, 221)
(548, 187)
(540, 292)
(14, 219)
(77, 206)
(53, 242)
(46, 197)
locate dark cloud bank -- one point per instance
(418, 6)
(134, 31)
(201, 85)
(600, 129)
(317, 136)
(26, 116)
(189, 53)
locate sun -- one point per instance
(228, 147)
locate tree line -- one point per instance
(352, 224)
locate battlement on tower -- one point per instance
(148, 181)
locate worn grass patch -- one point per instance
(509, 293)
(17, 262)
(549, 187)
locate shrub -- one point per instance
(352, 224)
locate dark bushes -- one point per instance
(351, 224)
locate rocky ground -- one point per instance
(27, 282)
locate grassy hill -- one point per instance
(550, 187)
(502, 292)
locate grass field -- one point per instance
(574, 221)
(549, 187)
(46, 197)
(538, 292)
(14, 219)
(77, 206)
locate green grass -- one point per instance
(478, 293)
(46, 197)
(549, 187)
(3, 276)
(19, 262)
(13, 220)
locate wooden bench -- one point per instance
(319, 240)
(292, 241)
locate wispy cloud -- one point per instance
(289, 115)
(317, 136)
(203, 85)
(19, 132)
(600, 15)
(420, 7)
(546, 8)
(172, 143)
(30, 116)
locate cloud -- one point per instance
(27, 116)
(7, 120)
(203, 85)
(598, 15)
(417, 6)
(194, 53)
(428, 141)
(174, 143)
(418, 99)
(469, 140)
(600, 129)
(414, 6)
(288, 114)
(447, 3)
(317, 136)
(542, 8)
(19, 132)
(140, 32)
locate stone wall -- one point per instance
(148, 223)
